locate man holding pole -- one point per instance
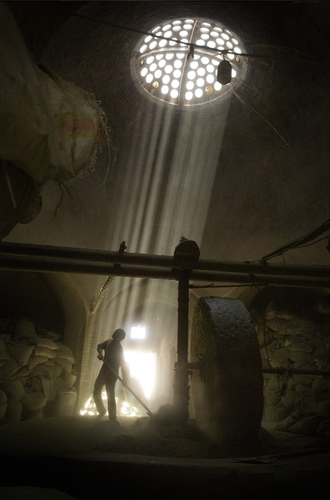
(113, 358)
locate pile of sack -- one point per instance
(37, 375)
(298, 342)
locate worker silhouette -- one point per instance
(113, 358)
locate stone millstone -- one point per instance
(228, 392)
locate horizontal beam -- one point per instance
(72, 264)
(163, 261)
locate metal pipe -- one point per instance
(181, 388)
(7, 248)
(295, 371)
(35, 263)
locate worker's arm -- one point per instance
(100, 348)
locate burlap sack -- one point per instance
(44, 352)
(3, 355)
(14, 390)
(9, 367)
(35, 360)
(50, 128)
(70, 381)
(43, 342)
(46, 371)
(33, 401)
(65, 364)
(22, 354)
(65, 353)
(65, 402)
(56, 369)
(24, 329)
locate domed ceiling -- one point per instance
(242, 175)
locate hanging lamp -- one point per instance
(224, 72)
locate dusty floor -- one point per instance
(74, 456)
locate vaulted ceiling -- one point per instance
(241, 177)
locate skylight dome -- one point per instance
(169, 70)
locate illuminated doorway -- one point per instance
(142, 366)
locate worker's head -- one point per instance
(119, 335)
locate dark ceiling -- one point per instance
(267, 181)
(241, 177)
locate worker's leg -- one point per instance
(97, 394)
(110, 387)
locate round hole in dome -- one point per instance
(175, 67)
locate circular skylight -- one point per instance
(169, 70)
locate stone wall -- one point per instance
(293, 328)
(37, 376)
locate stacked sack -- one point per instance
(37, 374)
(299, 341)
